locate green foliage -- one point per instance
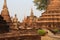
(41, 32)
(41, 4)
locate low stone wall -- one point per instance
(28, 31)
(22, 34)
(36, 37)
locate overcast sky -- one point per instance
(20, 7)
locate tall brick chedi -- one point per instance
(5, 13)
(51, 17)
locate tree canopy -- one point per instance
(41, 4)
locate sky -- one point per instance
(21, 8)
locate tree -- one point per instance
(41, 4)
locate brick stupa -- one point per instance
(5, 13)
(51, 17)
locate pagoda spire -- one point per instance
(31, 12)
(15, 18)
(5, 4)
(15, 15)
(5, 12)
